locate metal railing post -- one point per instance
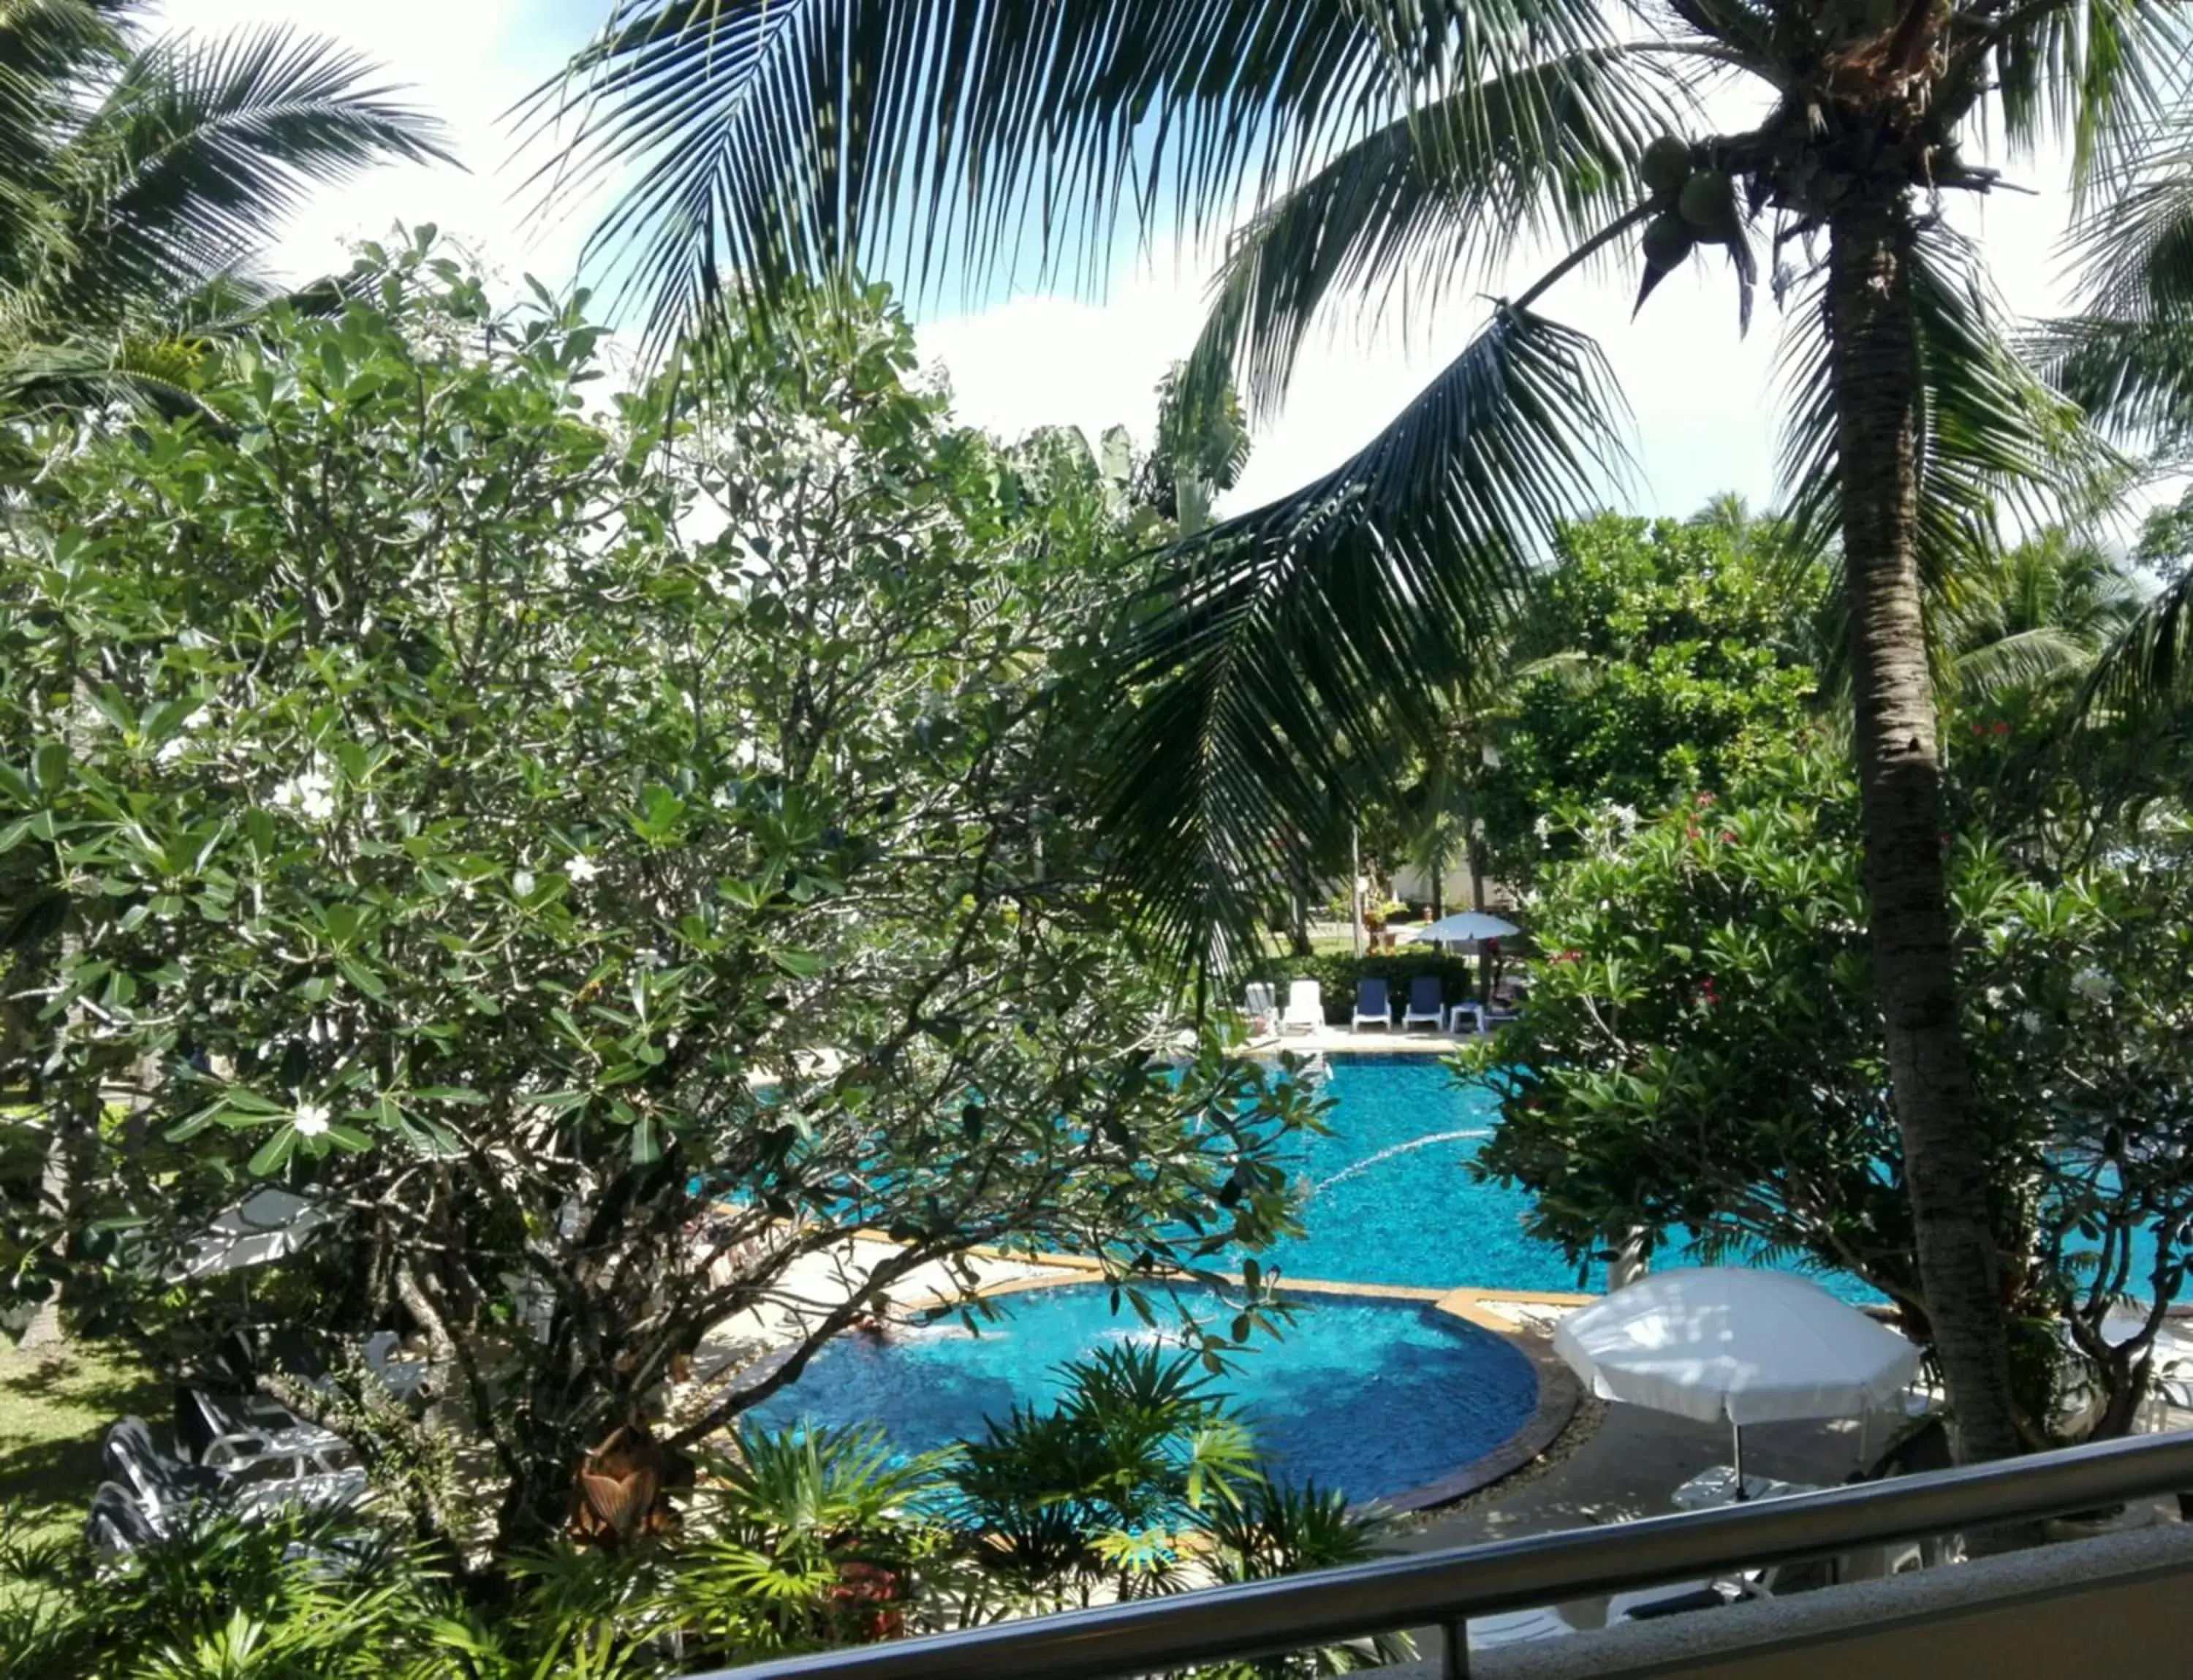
(1454, 1659)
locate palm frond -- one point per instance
(2133, 377)
(2097, 76)
(1288, 649)
(201, 146)
(2024, 660)
(751, 138)
(1993, 436)
(156, 360)
(1544, 146)
(49, 51)
(2148, 670)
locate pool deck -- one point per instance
(1327, 1040)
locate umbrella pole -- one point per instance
(1736, 1433)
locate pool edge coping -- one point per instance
(1559, 1391)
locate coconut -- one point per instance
(1668, 241)
(1665, 166)
(1707, 203)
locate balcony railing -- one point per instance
(1444, 1589)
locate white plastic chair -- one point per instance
(1305, 1007)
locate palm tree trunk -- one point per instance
(1875, 352)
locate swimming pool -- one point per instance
(1373, 1397)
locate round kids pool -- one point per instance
(1375, 1397)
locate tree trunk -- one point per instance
(1298, 923)
(1875, 366)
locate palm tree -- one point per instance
(140, 177)
(1388, 142)
(2036, 617)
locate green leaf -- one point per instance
(364, 978)
(274, 1153)
(801, 964)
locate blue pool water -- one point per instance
(1389, 1200)
(1371, 1396)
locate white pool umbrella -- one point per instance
(1731, 1343)
(1463, 927)
(267, 1225)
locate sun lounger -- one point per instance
(1305, 1007)
(1516, 1627)
(161, 1485)
(1259, 1007)
(117, 1522)
(1371, 1008)
(1651, 1603)
(1427, 1003)
(230, 1435)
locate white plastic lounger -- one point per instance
(1305, 1007)
(1516, 1627)
(1259, 1007)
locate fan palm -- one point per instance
(139, 177)
(1387, 141)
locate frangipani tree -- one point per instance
(604, 861)
(1384, 142)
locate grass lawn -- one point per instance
(54, 1407)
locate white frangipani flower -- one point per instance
(581, 868)
(310, 793)
(2092, 985)
(522, 883)
(311, 1119)
(2030, 1019)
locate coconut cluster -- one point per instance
(1696, 205)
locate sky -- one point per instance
(1701, 397)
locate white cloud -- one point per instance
(466, 61)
